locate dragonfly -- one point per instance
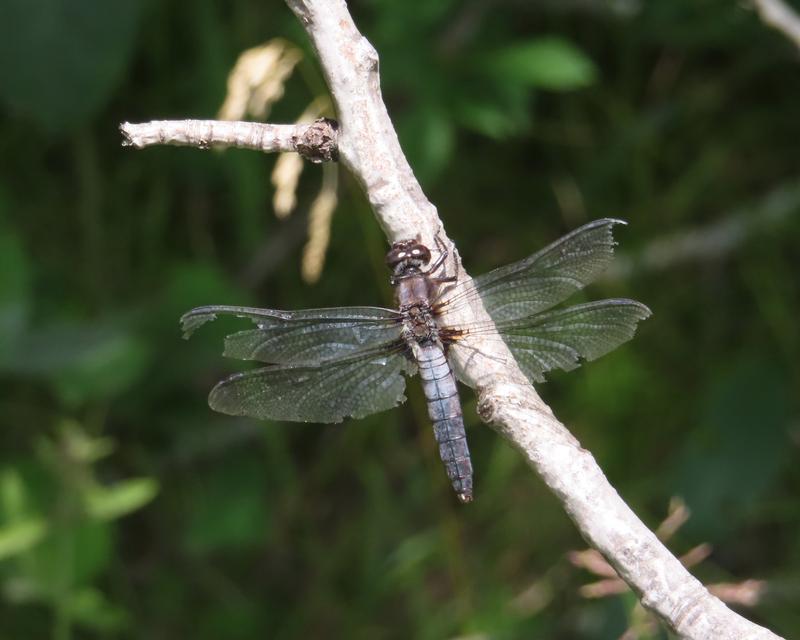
(325, 365)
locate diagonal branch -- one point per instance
(369, 147)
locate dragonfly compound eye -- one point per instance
(407, 250)
(420, 252)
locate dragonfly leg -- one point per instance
(443, 253)
(439, 264)
(393, 280)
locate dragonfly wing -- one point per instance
(308, 337)
(355, 386)
(544, 279)
(559, 339)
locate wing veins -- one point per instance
(543, 279)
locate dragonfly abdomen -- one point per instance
(444, 409)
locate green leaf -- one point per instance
(70, 554)
(90, 608)
(77, 553)
(109, 503)
(68, 56)
(81, 446)
(13, 501)
(21, 536)
(547, 63)
(494, 108)
(492, 119)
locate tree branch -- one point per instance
(369, 147)
(779, 15)
(316, 142)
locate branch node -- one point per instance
(486, 408)
(319, 142)
(368, 55)
(127, 141)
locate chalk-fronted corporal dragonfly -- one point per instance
(324, 365)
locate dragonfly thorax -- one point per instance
(420, 324)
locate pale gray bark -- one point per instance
(315, 141)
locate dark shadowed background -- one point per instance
(129, 510)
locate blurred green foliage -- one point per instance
(128, 509)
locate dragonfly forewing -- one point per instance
(308, 337)
(544, 279)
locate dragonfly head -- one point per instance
(407, 256)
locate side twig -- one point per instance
(316, 141)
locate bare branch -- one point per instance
(778, 15)
(369, 147)
(316, 142)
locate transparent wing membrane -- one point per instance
(357, 386)
(328, 364)
(305, 337)
(560, 339)
(544, 279)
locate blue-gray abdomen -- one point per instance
(444, 408)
